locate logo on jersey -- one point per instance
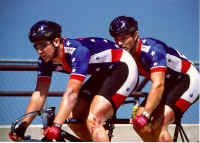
(145, 48)
(69, 50)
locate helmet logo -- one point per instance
(41, 28)
(123, 24)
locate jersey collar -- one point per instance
(138, 50)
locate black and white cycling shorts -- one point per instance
(115, 84)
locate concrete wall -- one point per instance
(122, 132)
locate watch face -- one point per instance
(58, 125)
(146, 114)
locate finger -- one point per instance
(130, 120)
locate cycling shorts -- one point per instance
(181, 92)
(115, 84)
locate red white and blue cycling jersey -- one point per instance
(154, 56)
(83, 56)
(89, 56)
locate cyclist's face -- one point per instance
(45, 49)
(127, 41)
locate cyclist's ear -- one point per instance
(56, 42)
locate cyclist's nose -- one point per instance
(120, 43)
(39, 51)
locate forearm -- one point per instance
(67, 103)
(36, 103)
(153, 99)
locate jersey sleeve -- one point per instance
(80, 61)
(45, 70)
(158, 58)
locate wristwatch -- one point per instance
(147, 115)
(57, 125)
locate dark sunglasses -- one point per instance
(42, 45)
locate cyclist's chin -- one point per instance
(127, 49)
(46, 59)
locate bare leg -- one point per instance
(100, 110)
(81, 110)
(169, 117)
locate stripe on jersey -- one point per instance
(142, 71)
(158, 69)
(101, 57)
(177, 64)
(116, 55)
(77, 77)
(182, 104)
(185, 66)
(66, 66)
(118, 99)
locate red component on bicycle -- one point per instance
(52, 132)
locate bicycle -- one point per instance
(48, 114)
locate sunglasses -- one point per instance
(41, 45)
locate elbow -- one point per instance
(71, 97)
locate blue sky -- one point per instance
(175, 22)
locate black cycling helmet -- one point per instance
(123, 25)
(44, 30)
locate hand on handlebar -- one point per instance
(18, 133)
(140, 121)
(52, 132)
(14, 137)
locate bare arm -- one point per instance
(37, 99)
(68, 100)
(156, 91)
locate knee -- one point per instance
(143, 131)
(165, 136)
(169, 116)
(93, 121)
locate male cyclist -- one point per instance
(113, 73)
(175, 81)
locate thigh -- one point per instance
(101, 109)
(81, 109)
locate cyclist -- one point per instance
(175, 81)
(113, 77)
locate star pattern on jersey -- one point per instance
(73, 59)
(153, 53)
(117, 46)
(92, 40)
(106, 41)
(68, 43)
(144, 40)
(155, 64)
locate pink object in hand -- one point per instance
(140, 121)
